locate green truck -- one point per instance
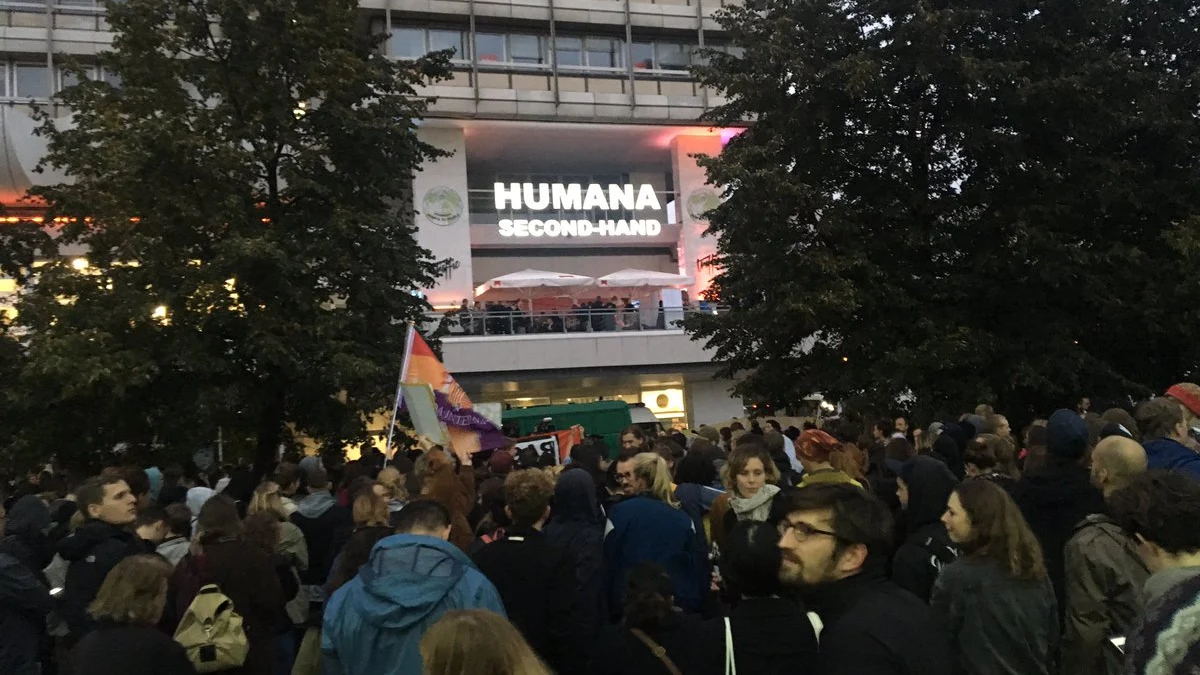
(606, 419)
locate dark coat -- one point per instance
(249, 578)
(998, 625)
(1104, 580)
(873, 627)
(536, 581)
(326, 527)
(91, 553)
(926, 546)
(644, 529)
(682, 636)
(1054, 501)
(126, 649)
(577, 525)
(771, 636)
(25, 535)
(24, 604)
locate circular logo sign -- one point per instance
(442, 206)
(700, 202)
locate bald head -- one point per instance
(1115, 462)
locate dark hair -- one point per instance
(262, 531)
(219, 519)
(241, 486)
(318, 479)
(999, 531)
(858, 517)
(91, 493)
(900, 450)
(637, 433)
(356, 553)
(774, 424)
(422, 514)
(887, 427)
(357, 486)
(1158, 418)
(669, 450)
(808, 424)
(751, 558)
(736, 426)
(649, 596)
(1161, 506)
(695, 468)
(1122, 417)
(150, 516)
(726, 434)
(179, 520)
(137, 479)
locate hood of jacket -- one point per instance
(929, 486)
(28, 517)
(1163, 581)
(1054, 489)
(407, 577)
(316, 504)
(88, 536)
(195, 499)
(173, 545)
(575, 499)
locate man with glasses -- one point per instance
(835, 540)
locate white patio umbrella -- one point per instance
(630, 278)
(527, 282)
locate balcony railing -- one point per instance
(504, 320)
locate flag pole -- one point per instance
(408, 347)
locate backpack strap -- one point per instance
(657, 650)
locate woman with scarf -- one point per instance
(751, 480)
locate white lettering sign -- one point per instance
(574, 197)
(523, 227)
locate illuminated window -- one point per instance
(642, 55)
(490, 47)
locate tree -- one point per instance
(959, 201)
(243, 195)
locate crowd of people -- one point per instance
(958, 548)
(598, 315)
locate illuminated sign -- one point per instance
(576, 197)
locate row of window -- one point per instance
(36, 80)
(570, 51)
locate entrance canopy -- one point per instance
(629, 278)
(528, 281)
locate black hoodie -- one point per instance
(91, 552)
(926, 547)
(26, 535)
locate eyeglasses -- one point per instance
(803, 531)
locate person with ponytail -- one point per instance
(995, 602)
(654, 637)
(649, 526)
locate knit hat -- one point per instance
(1066, 435)
(1188, 394)
(709, 433)
(979, 424)
(501, 462)
(816, 445)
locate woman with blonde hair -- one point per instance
(477, 642)
(268, 499)
(649, 526)
(995, 602)
(127, 609)
(391, 482)
(371, 524)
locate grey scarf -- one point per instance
(757, 507)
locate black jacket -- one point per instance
(998, 625)
(577, 525)
(327, 527)
(873, 627)
(536, 581)
(26, 537)
(125, 649)
(1054, 501)
(926, 547)
(682, 636)
(91, 553)
(771, 636)
(24, 604)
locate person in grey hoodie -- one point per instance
(1160, 511)
(327, 527)
(179, 534)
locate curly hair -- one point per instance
(527, 493)
(999, 531)
(1163, 507)
(740, 457)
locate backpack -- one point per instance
(211, 632)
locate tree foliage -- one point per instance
(243, 199)
(958, 200)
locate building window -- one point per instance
(672, 56)
(603, 52)
(113, 79)
(32, 80)
(642, 55)
(568, 51)
(67, 78)
(407, 42)
(490, 47)
(527, 49)
(440, 38)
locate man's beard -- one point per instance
(794, 575)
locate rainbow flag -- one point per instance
(468, 430)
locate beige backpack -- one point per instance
(211, 632)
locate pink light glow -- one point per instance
(728, 134)
(663, 139)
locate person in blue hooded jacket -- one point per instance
(1162, 424)
(373, 624)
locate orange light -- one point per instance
(135, 220)
(37, 219)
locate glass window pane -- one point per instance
(406, 42)
(569, 51)
(642, 55)
(448, 39)
(603, 53)
(69, 79)
(525, 49)
(112, 78)
(33, 81)
(489, 46)
(739, 52)
(672, 56)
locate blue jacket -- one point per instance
(644, 529)
(373, 625)
(1171, 455)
